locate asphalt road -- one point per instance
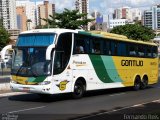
(94, 105)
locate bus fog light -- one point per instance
(44, 83)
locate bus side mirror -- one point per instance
(3, 52)
(48, 51)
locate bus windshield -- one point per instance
(30, 62)
(29, 57)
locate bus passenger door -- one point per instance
(62, 72)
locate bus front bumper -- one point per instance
(42, 89)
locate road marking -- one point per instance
(156, 101)
(138, 105)
(27, 109)
(115, 110)
(117, 94)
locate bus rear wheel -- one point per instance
(79, 90)
(137, 83)
(144, 83)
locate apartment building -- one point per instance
(8, 14)
(152, 17)
(21, 18)
(83, 7)
(44, 11)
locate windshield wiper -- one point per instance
(19, 70)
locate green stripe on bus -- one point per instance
(84, 33)
(31, 79)
(36, 80)
(111, 69)
(100, 68)
(39, 79)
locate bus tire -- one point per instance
(144, 82)
(79, 89)
(137, 83)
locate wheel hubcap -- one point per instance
(78, 90)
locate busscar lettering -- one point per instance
(79, 62)
(132, 63)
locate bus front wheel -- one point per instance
(79, 90)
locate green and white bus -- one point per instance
(54, 61)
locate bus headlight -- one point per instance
(44, 83)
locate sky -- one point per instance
(105, 6)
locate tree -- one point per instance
(1, 23)
(134, 31)
(69, 19)
(4, 37)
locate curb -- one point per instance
(4, 86)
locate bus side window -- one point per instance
(96, 46)
(114, 45)
(106, 47)
(122, 50)
(80, 44)
(154, 52)
(132, 50)
(141, 51)
(148, 51)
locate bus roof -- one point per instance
(91, 33)
(115, 37)
(51, 30)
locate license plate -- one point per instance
(25, 89)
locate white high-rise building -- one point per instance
(122, 13)
(8, 14)
(136, 14)
(152, 18)
(117, 22)
(45, 10)
(31, 11)
(82, 6)
(127, 13)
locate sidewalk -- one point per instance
(4, 81)
(5, 71)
